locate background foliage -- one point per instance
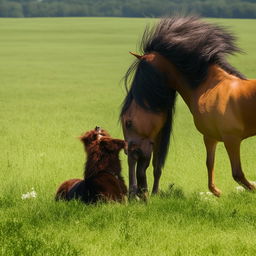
(127, 8)
(61, 77)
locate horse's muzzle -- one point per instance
(134, 150)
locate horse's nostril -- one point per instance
(137, 152)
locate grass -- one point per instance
(61, 77)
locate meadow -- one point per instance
(60, 77)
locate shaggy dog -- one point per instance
(102, 176)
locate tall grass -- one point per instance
(61, 77)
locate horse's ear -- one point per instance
(136, 55)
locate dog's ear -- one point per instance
(112, 144)
(88, 138)
(84, 139)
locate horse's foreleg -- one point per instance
(132, 176)
(210, 145)
(232, 145)
(142, 166)
(157, 174)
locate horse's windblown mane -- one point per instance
(191, 44)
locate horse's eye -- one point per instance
(128, 124)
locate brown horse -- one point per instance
(102, 176)
(188, 55)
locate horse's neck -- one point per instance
(217, 79)
(191, 95)
(177, 82)
(175, 79)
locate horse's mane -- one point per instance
(192, 45)
(150, 91)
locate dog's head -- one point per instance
(102, 152)
(93, 136)
(100, 140)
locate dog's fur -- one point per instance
(102, 175)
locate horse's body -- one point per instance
(190, 54)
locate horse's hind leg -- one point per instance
(210, 145)
(157, 168)
(232, 145)
(132, 177)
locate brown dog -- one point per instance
(102, 176)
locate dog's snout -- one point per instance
(97, 128)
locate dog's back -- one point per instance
(105, 186)
(63, 192)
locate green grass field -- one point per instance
(61, 77)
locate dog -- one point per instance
(102, 175)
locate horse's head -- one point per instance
(140, 129)
(146, 117)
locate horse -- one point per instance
(187, 55)
(102, 175)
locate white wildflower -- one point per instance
(206, 195)
(253, 183)
(240, 189)
(28, 195)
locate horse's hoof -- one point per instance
(215, 191)
(133, 196)
(252, 185)
(143, 196)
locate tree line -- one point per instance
(127, 8)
